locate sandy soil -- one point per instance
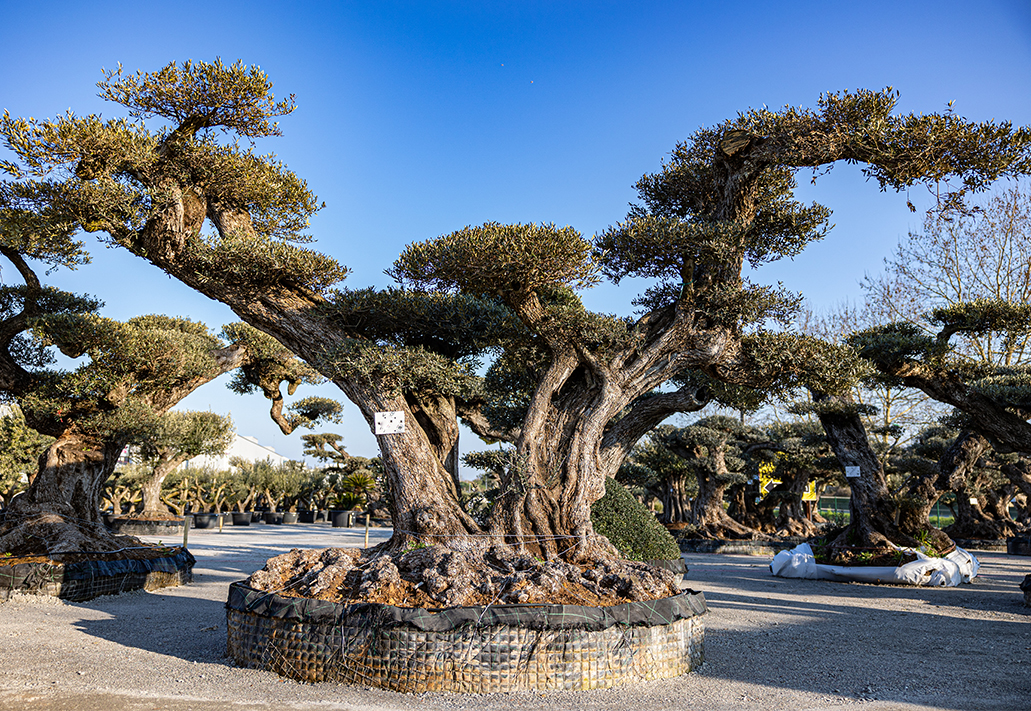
(771, 644)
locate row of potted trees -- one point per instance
(286, 493)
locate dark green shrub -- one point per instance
(630, 526)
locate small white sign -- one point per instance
(973, 500)
(852, 472)
(390, 422)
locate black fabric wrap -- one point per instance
(544, 617)
(32, 576)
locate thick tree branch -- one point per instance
(471, 413)
(644, 415)
(1006, 431)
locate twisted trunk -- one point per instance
(581, 425)
(985, 515)
(873, 514)
(791, 518)
(925, 488)
(421, 463)
(438, 417)
(1019, 474)
(423, 504)
(750, 508)
(1007, 431)
(119, 497)
(707, 513)
(244, 504)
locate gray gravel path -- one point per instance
(770, 644)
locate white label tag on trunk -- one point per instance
(390, 422)
(973, 500)
(852, 472)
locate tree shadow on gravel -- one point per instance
(948, 648)
(955, 648)
(189, 622)
(168, 622)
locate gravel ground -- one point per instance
(770, 644)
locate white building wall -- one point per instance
(244, 447)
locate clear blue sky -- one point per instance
(418, 118)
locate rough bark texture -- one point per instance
(982, 517)
(569, 444)
(791, 516)
(707, 514)
(423, 501)
(1019, 474)
(1007, 431)
(747, 507)
(60, 512)
(924, 489)
(438, 417)
(985, 515)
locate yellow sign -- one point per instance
(810, 492)
(766, 483)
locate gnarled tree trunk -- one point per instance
(60, 512)
(707, 514)
(749, 508)
(1019, 474)
(925, 488)
(153, 507)
(676, 503)
(791, 517)
(984, 516)
(424, 503)
(873, 514)
(571, 441)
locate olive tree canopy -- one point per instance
(588, 385)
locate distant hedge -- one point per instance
(630, 526)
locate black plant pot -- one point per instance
(273, 517)
(288, 517)
(306, 516)
(1018, 545)
(242, 518)
(341, 519)
(205, 520)
(256, 517)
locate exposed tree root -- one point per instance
(47, 534)
(464, 573)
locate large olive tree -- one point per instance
(593, 383)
